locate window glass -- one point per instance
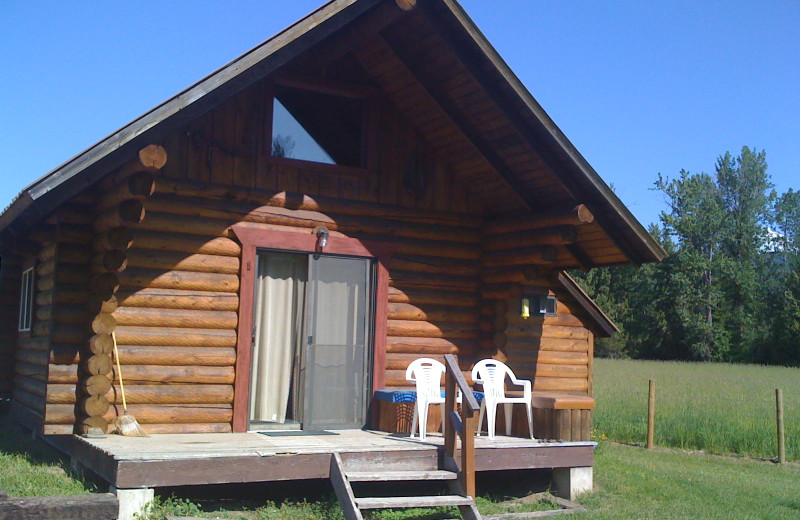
(26, 300)
(318, 127)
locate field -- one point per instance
(717, 408)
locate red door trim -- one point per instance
(253, 237)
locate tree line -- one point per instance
(730, 288)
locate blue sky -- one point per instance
(638, 87)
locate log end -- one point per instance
(153, 157)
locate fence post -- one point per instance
(651, 413)
(779, 416)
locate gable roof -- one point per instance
(550, 172)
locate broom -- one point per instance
(125, 424)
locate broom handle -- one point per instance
(119, 373)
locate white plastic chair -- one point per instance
(427, 374)
(492, 374)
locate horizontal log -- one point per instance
(62, 374)
(79, 507)
(35, 403)
(127, 213)
(521, 274)
(555, 384)
(406, 311)
(66, 294)
(33, 371)
(405, 279)
(169, 355)
(552, 369)
(178, 299)
(397, 361)
(574, 216)
(555, 236)
(185, 337)
(75, 234)
(397, 378)
(547, 331)
(33, 357)
(33, 343)
(432, 346)
(538, 255)
(61, 394)
(149, 413)
(166, 224)
(109, 261)
(182, 243)
(300, 201)
(558, 344)
(73, 314)
(186, 281)
(116, 238)
(431, 296)
(553, 357)
(424, 329)
(142, 374)
(561, 320)
(434, 264)
(65, 333)
(174, 394)
(189, 428)
(234, 211)
(147, 317)
(30, 385)
(137, 186)
(170, 261)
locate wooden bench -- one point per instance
(558, 417)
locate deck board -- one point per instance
(213, 458)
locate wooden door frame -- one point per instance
(253, 237)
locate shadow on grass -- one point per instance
(18, 441)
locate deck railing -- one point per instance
(462, 423)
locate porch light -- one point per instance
(525, 307)
(322, 238)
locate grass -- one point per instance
(630, 483)
(634, 483)
(718, 408)
(30, 468)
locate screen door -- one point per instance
(337, 334)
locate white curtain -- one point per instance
(277, 318)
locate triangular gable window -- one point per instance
(318, 125)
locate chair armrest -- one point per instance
(524, 383)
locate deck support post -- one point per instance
(570, 483)
(133, 502)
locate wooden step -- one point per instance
(403, 502)
(384, 476)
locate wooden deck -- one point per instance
(194, 459)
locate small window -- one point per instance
(26, 301)
(547, 305)
(316, 126)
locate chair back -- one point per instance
(492, 375)
(427, 374)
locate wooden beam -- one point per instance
(468, 45)
(571, 216)
(580, 256)
(458, 118)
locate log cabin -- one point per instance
(276, 243)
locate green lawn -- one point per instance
(719, 408)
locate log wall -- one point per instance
(9, 314)
(161, 272)
(555, 353)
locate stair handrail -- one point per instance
(463, 424)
